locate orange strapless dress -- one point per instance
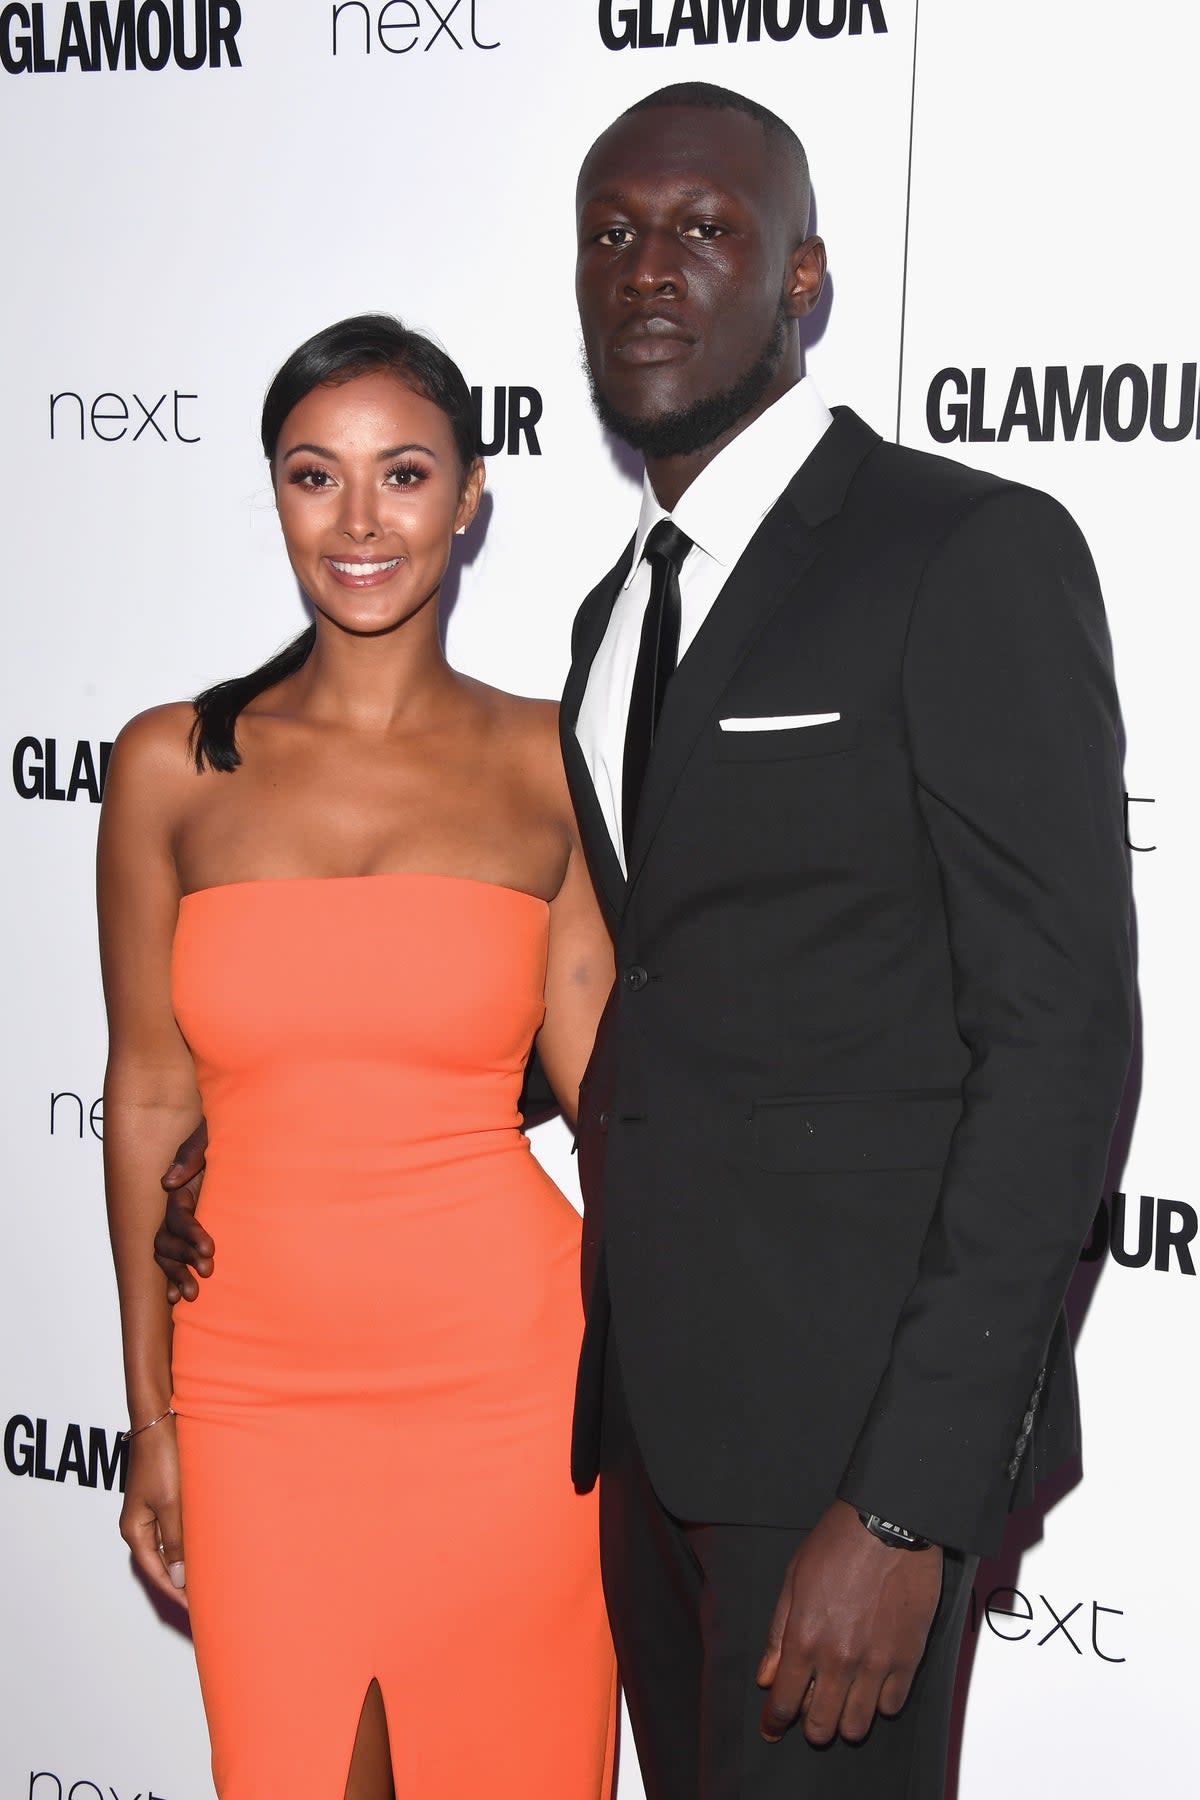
(374, 1388)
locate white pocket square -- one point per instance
(785, 722)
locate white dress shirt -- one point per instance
(720, 512)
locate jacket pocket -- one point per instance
(792, 740)
(902, 1128)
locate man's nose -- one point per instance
(657, 269)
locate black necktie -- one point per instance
(658, 652)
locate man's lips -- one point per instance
(651, 338)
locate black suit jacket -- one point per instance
(846, 1121)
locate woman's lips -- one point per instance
(354, 574)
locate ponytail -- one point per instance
(214, 734)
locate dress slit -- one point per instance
(385, 1787)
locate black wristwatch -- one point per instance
(895, 1535)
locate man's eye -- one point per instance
(616, 237)
(705, 230)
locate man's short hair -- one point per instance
(720, 99)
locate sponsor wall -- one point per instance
(193, 188)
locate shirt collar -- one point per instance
(733, 494)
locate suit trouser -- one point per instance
(690, 1605)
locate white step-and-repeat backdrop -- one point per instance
(191, 189)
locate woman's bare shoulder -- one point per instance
(155, 746)
(535, 720)
(514, 719)
(527, 728)
(515, 711)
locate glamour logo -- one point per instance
(79, 1790)
(36, 764)
(404, 25)
(653, 24)
(120, 34)
(515, 412)
(30, 1450)
(1117, 403)
(1165, 1232)
(110, 417)
(1009, 1614)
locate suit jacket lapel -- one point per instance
(767, 574)
(607, 875)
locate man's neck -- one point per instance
(672, 476)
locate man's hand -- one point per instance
(180, 1240)
(849, 1630)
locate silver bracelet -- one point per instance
(123, 1437)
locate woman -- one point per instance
(338, 899)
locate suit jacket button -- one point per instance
(602, 1121)
(635, 978)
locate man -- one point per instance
(843, 742)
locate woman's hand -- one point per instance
(151, 1521)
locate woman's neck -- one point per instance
(375, 684)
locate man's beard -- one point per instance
(690, 428)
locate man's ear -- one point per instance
(805, 277)
(472, 494)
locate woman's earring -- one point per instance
(459, 530)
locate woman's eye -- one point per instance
(406, 475)
(311, 478)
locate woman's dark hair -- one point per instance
(339, 353)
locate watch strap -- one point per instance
(897, 1536)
